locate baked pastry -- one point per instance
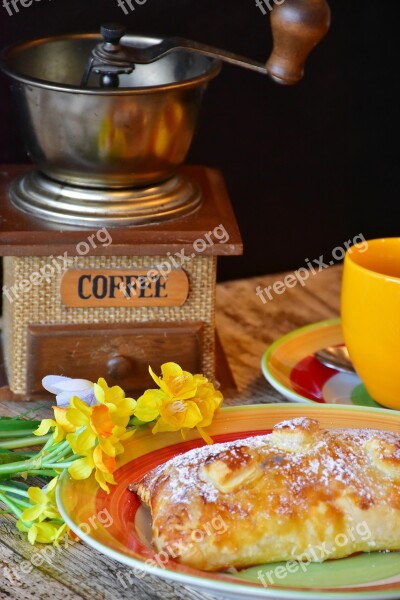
(300, 493)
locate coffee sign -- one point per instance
(123, 287)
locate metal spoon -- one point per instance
(336, 357)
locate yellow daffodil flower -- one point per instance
(148, 406)
(42, 521)
(175, 382)
(60, 425)
(184, 401)
(100, 431)
(208, 399)
(120, 407)
(94, 425)
(104, 467)
(47, 532)
(43, 503)
(176, 415)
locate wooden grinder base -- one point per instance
(24, 236)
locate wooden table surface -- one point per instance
(246, 327)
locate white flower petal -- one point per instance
(87, 396)
(66, 387)
(57, 383)
(51, 383)
(63, 399)
(75, 385)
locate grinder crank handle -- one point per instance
(297, 27)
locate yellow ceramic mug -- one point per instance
(371, 316)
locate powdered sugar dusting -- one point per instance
(299, 422)
(334, 461)
(183, 470)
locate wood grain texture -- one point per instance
(247, 327)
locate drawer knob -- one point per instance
(119, 366)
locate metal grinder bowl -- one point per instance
(133, 135)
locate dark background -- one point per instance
(307, 167)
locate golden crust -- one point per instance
(278, 497)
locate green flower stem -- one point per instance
(21, 503)
(61, 465)
(43, 472)
(17, 433)
(66, 454)
(14, 509)
(50, 441)
(37, 463)
(58, 460)
(17, 467)
(16, 491)
(25, 454)
(60, 450)
(25, 442)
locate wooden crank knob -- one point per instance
(297, 27)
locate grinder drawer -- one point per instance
(121, 353)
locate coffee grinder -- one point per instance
(109, 242)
